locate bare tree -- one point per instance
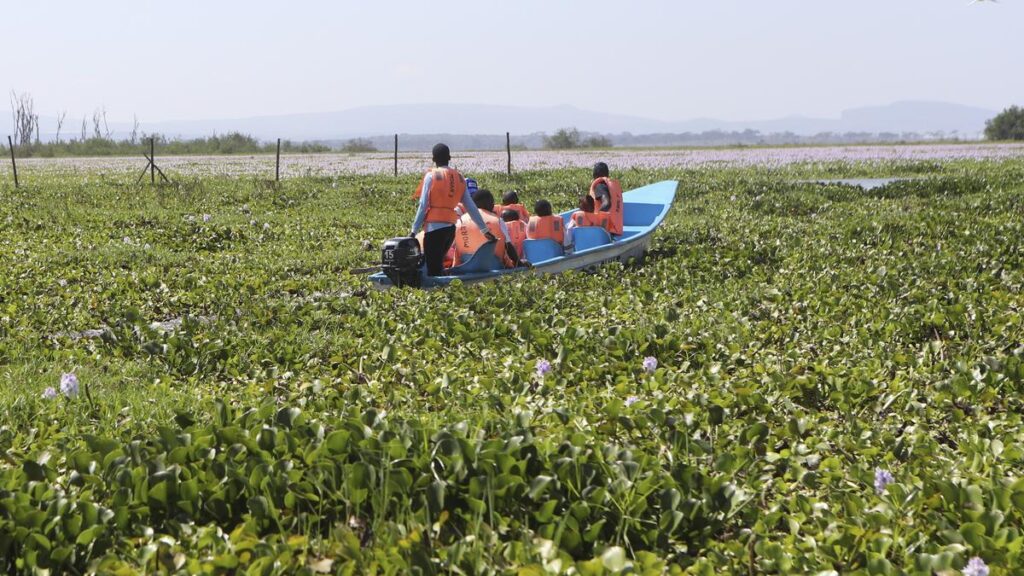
(106, 128)
(84, 136)
(135, 128)
(97, 122)
(60, 123)
(26, 120)
(37, 128)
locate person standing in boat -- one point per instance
(441, 191)
(607, 194)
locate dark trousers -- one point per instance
(435, 246)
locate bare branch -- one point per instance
(60, 123)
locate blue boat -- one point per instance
(644, 210)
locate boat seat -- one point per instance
(483, 260)
(585, 237)
(640, 214)
(541, 250)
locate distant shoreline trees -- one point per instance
(228, 144)
(1007, 125)
(569, 138)
(28, 141)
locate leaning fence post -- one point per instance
(396, 154)
(277, 165)
(508, 150)
(13, 163)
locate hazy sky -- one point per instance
(672, 60)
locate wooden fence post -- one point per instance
(152, 160)
(277, 164)
(13, 163)
(508, 150)
(396, 154)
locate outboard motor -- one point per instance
(401, 260)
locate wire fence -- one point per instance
(282, 166)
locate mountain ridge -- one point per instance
(919, 116)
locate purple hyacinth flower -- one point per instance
(69, 385)
(49, 393)
(882, 479)
(206, 217)
(976, 567)
(632, 400)
(543, 367)
(650, 364)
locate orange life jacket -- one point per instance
(581, 218)
(469, 238)
(549, 227)
(517, 234)
(615, 212)
(446, 189)
(523, 214)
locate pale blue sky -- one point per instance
(671, 60)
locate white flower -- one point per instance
(69, 384)
(976, 567)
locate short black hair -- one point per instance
(441, 154)
(588, 200)
(509, 215)
(600, 170)
(484, 199)
(542, 208)
(510, 197)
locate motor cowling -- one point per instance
(401, 260)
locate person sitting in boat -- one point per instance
(471, 188)
(440, 192)
(586, 216)
(607, 194)
(469, 239)
(510, 199)
(516, 228)
(543, 225)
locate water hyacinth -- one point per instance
(976, 567)
(882, 479)
(543, 367)
(206, 217)
(495, 160)
(632, 400)
(49, 393)
(69, 385)
(650, 364)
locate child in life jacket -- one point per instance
(587, 216)
(510, 199)
(544, 225)
(516, 229)
(471, 188)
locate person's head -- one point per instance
(600, 170)
(484, 200)
(587, 203)
(510, 215)
(442, 155)
(542, 208)
(510, 197)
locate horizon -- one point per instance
(725, 61)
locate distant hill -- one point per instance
(481, 119)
